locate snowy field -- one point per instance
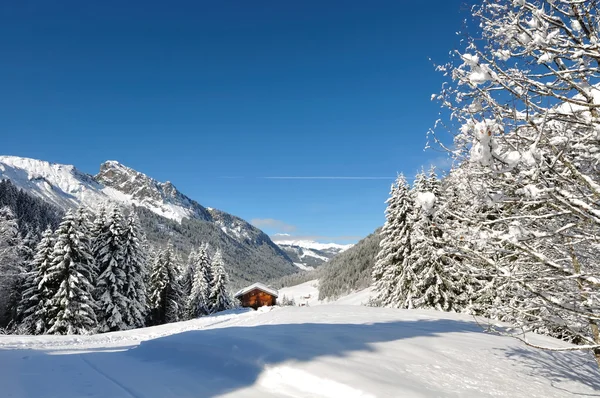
(307, 294)
(318, 351)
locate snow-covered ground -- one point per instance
(308, 294)
(319, 351)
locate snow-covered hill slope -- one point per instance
(322, 351)
(307, 294)
(308, 254)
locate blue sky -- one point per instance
(218, 96)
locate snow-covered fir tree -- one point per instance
(429, 280)
(164, 291)
(39, 288)
(187, 278)
(112, 277)
(395, 244)
(198, 303)
(98, 230)
(135, 269)
(72, 308)
(11, 267)
(84, 225)
(219, 299)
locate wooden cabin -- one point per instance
(257, 295)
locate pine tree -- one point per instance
(134, 266)
(198, 301)
(11, 267)
(428, 279)
(164, 290)
(72, 307)
(187, 280)
(110, 287)
(85, 228)
(219, 300)
(395, 244)
(98, 229)
(39, 289)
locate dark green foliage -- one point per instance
(350, 270)
(164, 292)
(32, 213)
(297, 278)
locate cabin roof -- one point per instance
(259, 286)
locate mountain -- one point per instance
(165, 213)
(307, 254)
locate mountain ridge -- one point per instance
(308, 254)
(170, 216)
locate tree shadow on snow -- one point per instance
(559, 366)
(211, 362)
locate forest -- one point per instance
(83, 272)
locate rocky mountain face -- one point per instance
(161, 197)
(166, 214)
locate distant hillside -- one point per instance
(33, 214)
(350, 270)
(307, 254)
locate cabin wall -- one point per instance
(257, 298)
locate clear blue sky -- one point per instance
(217, 95)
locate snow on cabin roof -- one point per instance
(258, 286)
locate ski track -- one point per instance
(129, 391)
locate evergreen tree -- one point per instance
(85, 228)
(134, 266)
(99, 229)
(11, 267)
(164, 290)
(39, 288)
(429, 279)
(395, 245)
(198, 301)
(219, 300)
(110, 287)
(187, 280)
(72, 307)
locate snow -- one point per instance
(303, 294)
(360, 297)
(319, 351)
(259, 286)
(66, 187)
(308, 294)
(304, 267)
(426, 200)
(235, 230)
(310, 253)
(308, 244)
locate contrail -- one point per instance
(327, 178)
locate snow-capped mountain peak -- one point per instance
(62, 185)
(311, 244)
(160, 197)
(307, 254)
